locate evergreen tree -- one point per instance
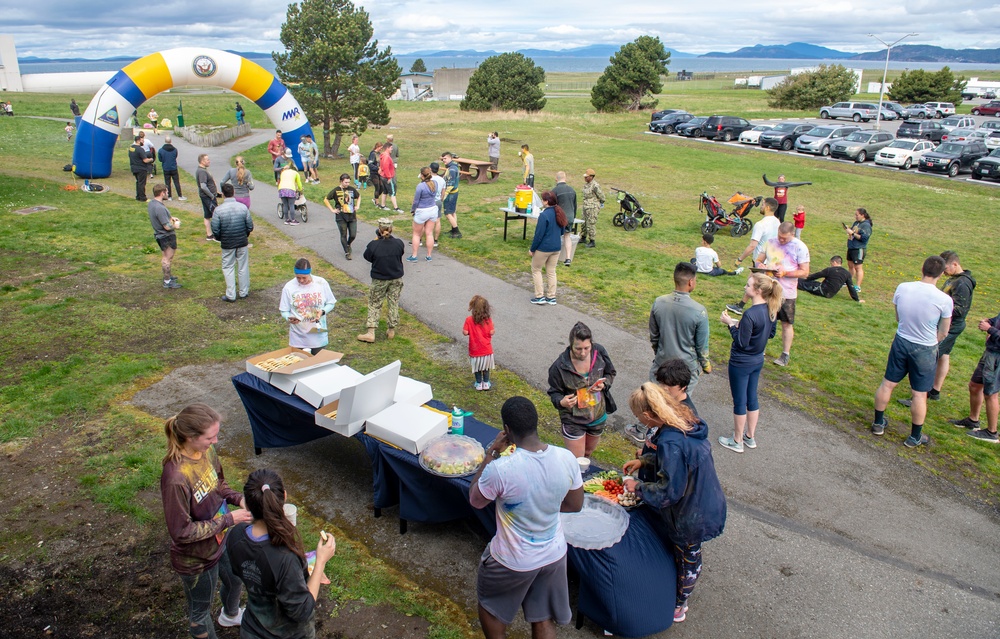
(505, 82)
(418, 66)
(811, 90)
(335, 68)
(633, 77)
(920, 86)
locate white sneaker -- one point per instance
(740, 270)
(479, 386)
(182, 199)
(229, 622)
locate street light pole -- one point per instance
(881, 93)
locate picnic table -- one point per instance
(477, 171)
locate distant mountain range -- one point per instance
(792, 51)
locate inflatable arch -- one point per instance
(146, 77)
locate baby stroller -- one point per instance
(716, 216)
(630, 214)
(301, 209)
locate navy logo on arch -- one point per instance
(204, 66)
(110, 117)
(293, 114)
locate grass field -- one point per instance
(90, 268)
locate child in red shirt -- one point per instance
(479, 328)
(800, 221)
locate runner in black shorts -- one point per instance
(857, 245)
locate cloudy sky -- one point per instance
(63, 28)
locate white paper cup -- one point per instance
(292, 513)
(584, 464)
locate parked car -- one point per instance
(990, 125)
(724, 127)
(953, 157)
(784, 135)
(887, 114)
(957, 135)
(669, 122)
(941, 109)
(918, 111)
(989, 95)
(692, 128)
(969, 95)
(752, 136)
(898, 109)
(990, 108)
(818, 140)
(857, 111)
(993, 140)
(903, 153)
(662, 113)
(958, 122)
(987, 167)
(920, 130)
(861, 145)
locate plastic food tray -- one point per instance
(600, 524)
(475, 467)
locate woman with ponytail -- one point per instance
(746, 357)
(686, 490)
(195, 505)
(545, 246)
(269, 558)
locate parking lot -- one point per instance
(890, 126)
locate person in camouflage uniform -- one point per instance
(593, 202)
(385, 253)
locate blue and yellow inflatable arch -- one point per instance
(129, 88)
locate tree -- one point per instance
(633, 76)
(418, 66)
(505, 82)
(811, 90)
(334, 67)
(921, 86)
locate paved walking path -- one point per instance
(827, 535)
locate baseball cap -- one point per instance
(589, 172)
(384, 224)
(288, 153)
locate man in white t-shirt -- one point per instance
(524, 565)
(788, 258)
(764, 230)
(924, 315)
(707, 260)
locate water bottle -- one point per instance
(457, 421)
(528, 210)
(510, 204)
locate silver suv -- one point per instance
(940, 109)
(857, 111)
(818, 140)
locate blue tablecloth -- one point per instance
(627, 589)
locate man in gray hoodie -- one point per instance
(678, 326)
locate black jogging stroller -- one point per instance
(630, 213)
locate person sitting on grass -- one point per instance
(834, 277)
(707, 260)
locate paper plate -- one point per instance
(600, 524)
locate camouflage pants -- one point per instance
(384, 291)
(590, 223)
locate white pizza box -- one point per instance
(325, 385)
(287, 383)
(309, 362)
(409, 427)
(359, 401)
(410, 391)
